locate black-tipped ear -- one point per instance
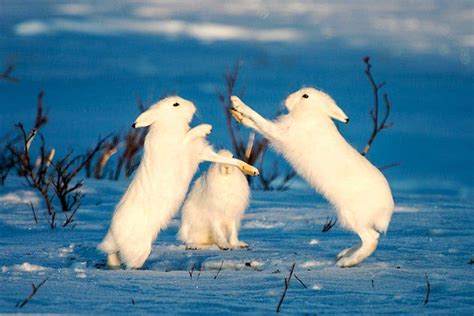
(134, 125)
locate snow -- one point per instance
(19, 197)
(427, 241)
(24, 267)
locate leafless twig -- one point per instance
(133, 142)
(110, 148)
(428, 289)
(250, 150)
(299, 280)
(219, 271)
(35, 289)
(270, 176)
(192, 271)
(6, 74)
(41, 119)
(379, 123)
(199, 274)
(287, 284)
(7, 162)
(329, 224)
(34, 212)
(64, 172)
(388, 166)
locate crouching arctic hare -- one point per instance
(310, 141)
(214, 208)
(172, 153)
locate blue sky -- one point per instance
(94, 58)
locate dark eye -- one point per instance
(176, 104)
(305, 96)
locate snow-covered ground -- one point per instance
(282, 228)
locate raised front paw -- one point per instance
(236, 102)
(249, 169)
(202, 130)
(239, 106)
(237, 115)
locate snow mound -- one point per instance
(19, 197)
(24, 267)
(232, 265)
(314, 242)
(312, 264)
(263, 225)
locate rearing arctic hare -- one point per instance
(171, 155)
(310, 141)
(214, 208)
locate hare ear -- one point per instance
(145, 119)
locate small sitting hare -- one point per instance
(214, 208)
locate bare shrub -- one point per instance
(35, 173)
(379, 122)
(127, 146)
(51, 178)
(66, 190)
(251, 149)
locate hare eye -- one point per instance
(176, 104)
(305, 96)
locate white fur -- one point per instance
(214, 208)
(172, 152)
(310, 141)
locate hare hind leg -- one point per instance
(113, 261)
(355, 255)
(234, 237)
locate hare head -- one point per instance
(315, 101)
(223, 168)
(170, 110)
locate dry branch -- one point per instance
(299, 280)
(35, 289)
(378, 123)
(287, 284)
(126, 146)
(34, 212)
(41, 119)
(253, 149)
(192, 271)
(329, 224)
(428, 290)
(64, 172)
(6, 74)
(218, 271)
(110, 148)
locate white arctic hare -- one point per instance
(310, 141)
(171, 155)
(214, 208)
